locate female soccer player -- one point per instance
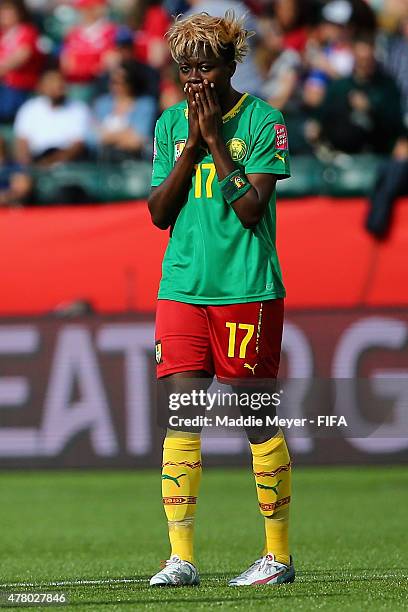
(217, 157)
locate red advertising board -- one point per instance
(111, 256)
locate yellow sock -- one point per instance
(272, 470)
(277, 535)
(181, 536)
(181, 475)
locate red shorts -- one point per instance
(233, 341)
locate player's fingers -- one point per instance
(203, 99)
(191, 103)
(209, 95)
(214, 95)
(199, 103)
(193, 89)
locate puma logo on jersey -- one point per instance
(252, 368)
(280, 157)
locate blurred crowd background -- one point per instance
(82, 83)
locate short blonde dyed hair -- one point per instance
(224, 36)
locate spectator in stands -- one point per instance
(124, 46)
(304, 125)
(280, 67)
(395, 60)
(16, 185)
(390, 12)
(329, 52)
(125, 117)
(292, 17)
(363, 21)
(123, 51)
(86, 50)
(20, 58)
(51, 128)
(362, 112)
(391, 183)
(151, 26)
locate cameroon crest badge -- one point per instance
(159, 352)
(237, 148)
(178, 148)
(239, 182)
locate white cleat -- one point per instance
(265, 571)
(176, 572)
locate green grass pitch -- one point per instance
(102, 534)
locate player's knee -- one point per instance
(259, 435)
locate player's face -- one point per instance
(193, 70)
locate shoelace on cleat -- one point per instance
(250, 569)
(267, 562)
(166, 563)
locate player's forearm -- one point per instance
(166, 200)
(249, 208)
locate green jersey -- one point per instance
(211, 258)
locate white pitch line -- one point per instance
(72, 582)
(67, 583)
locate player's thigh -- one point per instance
(182, 339)
(185, 416)
(246, 339)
